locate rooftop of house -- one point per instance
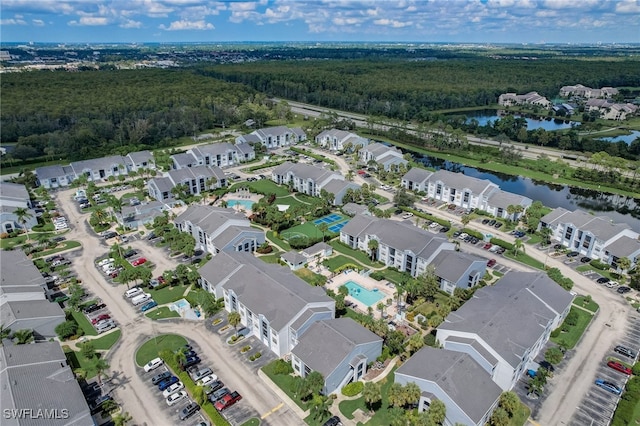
(213, 149)
(457, 375)
(326, 344)
(294, 258)
(210, 219)
(189, 173)
(53, 172)
(354, 209)
(140, 156)
(511, 315)
(416, 174)
(304, 171)
(28, 309)
(316, 248)
(164, 184)
(37, 376)
(451, 265)
(18, 273)
(271, 290)
(13, 191)
(504, 199)
(600, 226)
(95, 164)
(184, 159)
(624, 247)
(460, 182)
(335, 186)
(335, 133)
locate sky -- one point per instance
(426, 21)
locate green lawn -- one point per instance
(290, 201)
(9, 243)
(262, 186)
(311, 277)
(162, 312)
(271, 258)
(152, 347)
(287, 383)
(283, 245)
(167, 294)
(334, 263)
(381, 417)
(65, 245)
(526, 259)
(84, 323)
(394, 276)
(571, 337)
(105, 342)
(610, 275)
(534, 239)
(308, 229)
(591, 306)
(360, 256)
(77, 360)
(427, 307)
(251, 422)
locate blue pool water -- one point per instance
(362, 295)
(245, 204)
(182, 304)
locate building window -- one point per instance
(265, 330)
(587, 242)
(438, 189)
(567, 235)
(234, 303)
(465, 197)
(307, 370)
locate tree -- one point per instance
(199, 395)
(396, 416)
(624, 264)
(465, 219)
(396, 395)
(180, 356)
(100, 365)
(323, 227)
(4, 333)
(23, 215)
(315, 382)
(380, 307)
(415, 343)
(373, 248)
(320, 407)
(66, 329)
(99, 216)
(510, 402)
(435, 321)
(234, 319)
(412, 393)
(500, 417)
(121, 419)
(23, 337)
(553, 356)
(518, 246)
(343, 290)
(545, 233)
(437, 411)
(372, 393)
(88, 350)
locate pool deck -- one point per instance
(241, 195)
(366, 282)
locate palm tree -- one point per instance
(4, 333)
(100, 215)
(320, 407)
(100, 365)
(373, 248)
(122, 419)
(412, 393)
(23, 215)
(323, 227)
(624, 263)
(23, 336)
(180, 356)
(380, 307)
(545, 233)
(372, 393)
(518, 246)
(234, 319)
(465, 219)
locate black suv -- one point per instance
(603, 280)
(333, 421)
(624, 351)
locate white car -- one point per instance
(153, 364)
(176, 397)
(106, 261)
(612, 284)
(407, 216)
(207, 380)
(463, 236)
(172, 389)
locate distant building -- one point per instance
(531, 98)
(337, 140)
(585, 92)
(12, 197)
(220, 154)
(387, 156)
(274, 137)
(196, 180)
(611, 111)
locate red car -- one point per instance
(227, 401)
(139, 261)
(491, 263)
(619, 367)
(487, 246)
(100, 318)
(161, 280)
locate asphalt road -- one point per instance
(130, 389)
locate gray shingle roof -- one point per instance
(14, 191)
(18, 273)
(554, 215)
(12, 311)
(334, 186)
(209, 218)
(189, 173)
(95, 164)
(163, 184)
(600, 226)
(213, 149)
(511, 315)
(477, 346)
(230, 234)
(271, 290)
(36, 376)
(316, 248)
(504, 199)
(184, 159)
(50, 172)
(354, 209)
(326, 344)
(450, 265)
(417, 174)
(304, 171)
(458, 375)
(294, 258)
(272, 131)
(141, 157)
(459, 181)
(246, 148)
(624, 247)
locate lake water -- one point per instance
(617, 207)
(485, 117)
(624, 138)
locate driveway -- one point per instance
(130, 388)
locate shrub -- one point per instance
(347, 266)
(430, 340)
(556, 275)
(599, 265)
(255, 356)
(473, 233)
(410, 316)
(282, 367)
(66, 329)
(555, 333)
(4, 235)
(636, 369)
(352, 389)
(377, 275)
(505, 245)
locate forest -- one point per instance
(76, 115)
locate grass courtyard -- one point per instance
(152, 347)
(571, 337)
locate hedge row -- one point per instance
(264, 166)
(312, 155)
(556, 275)
(473, 233)
(631, 397)
(502, 243)
(599, 265)
(427, 216)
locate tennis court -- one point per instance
(334, 217)
(337, 227)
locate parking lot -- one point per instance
(598, 405)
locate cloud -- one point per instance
(13, 22)
(628, 6)
(38, 22)
(130, 23)
(187, 25)
(392, 23)
(90, 21)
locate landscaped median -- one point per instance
(574, 325)
(628, 410)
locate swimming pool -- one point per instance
(245, 204)
(182, 304)
(362, 295)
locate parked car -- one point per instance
(153, 364)
(227, 401)
(333, 421)
(129, 253)
(199, 373)
(194, 360)
(214, 386)
(167, 382)
(625, 351)
(96, 405)
(94, 307)
(623, 290)
(99, 318)
(139, 261)
(618, 366)
(608, 386)
(148, 305)
(176, 397)
(602, 280)
(160, 377)
(585, 259)
(207, 380)
(189, 410)
(487, 246)
(106, 261)
(573, 254)
(498, 225)
(491, 263)
(218, 394)
(173, 389)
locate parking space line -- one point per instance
(273, 410)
